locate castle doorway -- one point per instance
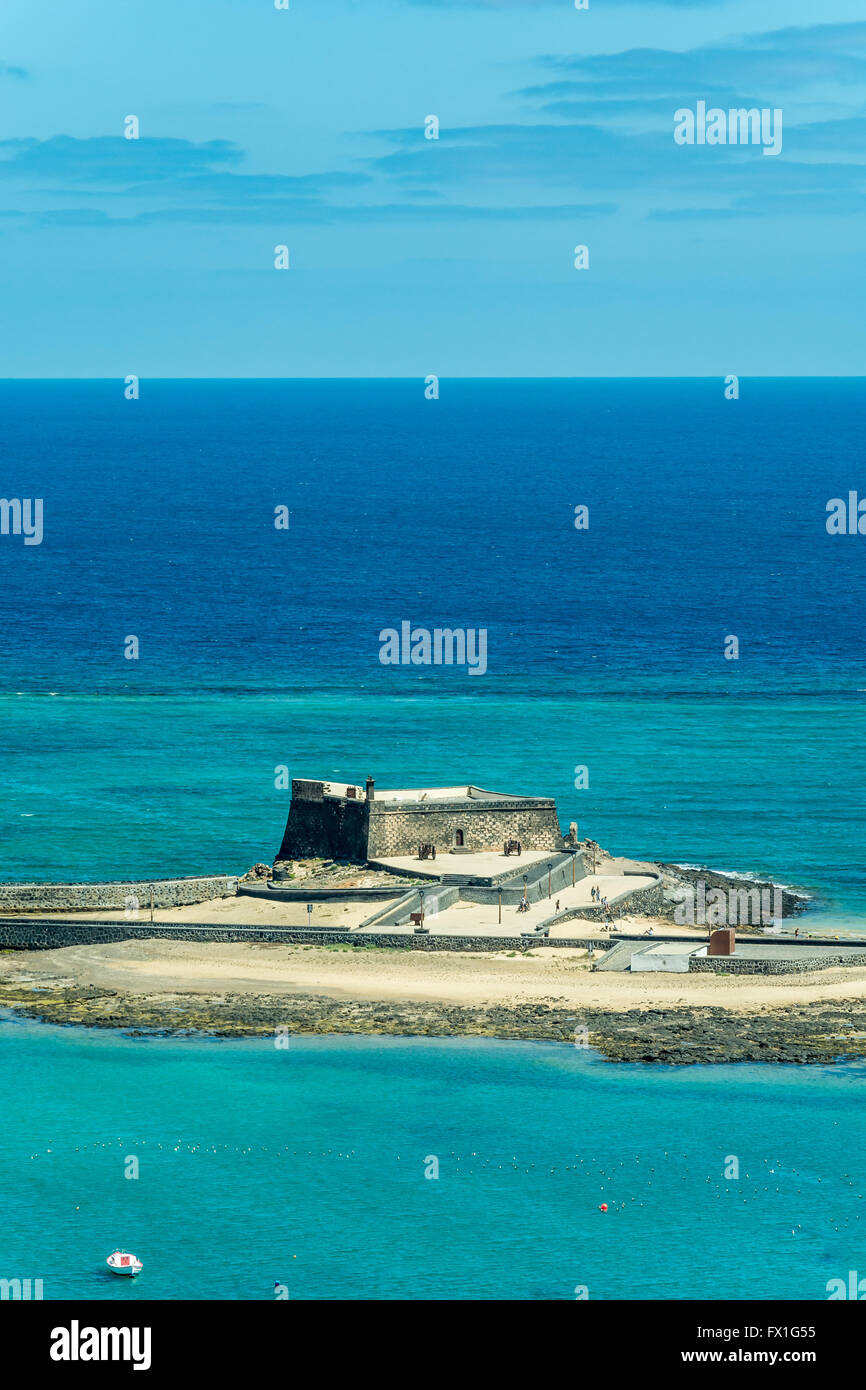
(458, 839)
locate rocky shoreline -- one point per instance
(675, 876)
(811, 1033)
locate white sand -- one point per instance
(549, 974)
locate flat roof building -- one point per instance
(339, 820)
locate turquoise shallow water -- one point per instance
(108, 786)
(306, 1166)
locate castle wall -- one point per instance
(485, 826)
(331, 828)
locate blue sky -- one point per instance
(408, 256)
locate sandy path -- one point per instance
(234, 911)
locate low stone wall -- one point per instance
(729, 965)
(90, 897)
(648, 902)
(45, 935)
(322, 895)
(641, 901)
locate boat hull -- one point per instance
(120, 1263)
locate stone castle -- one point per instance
(335, 821)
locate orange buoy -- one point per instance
(603, 1206)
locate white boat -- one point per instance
(120, 1262)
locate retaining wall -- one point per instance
(435, 901)
(536, 885)
(729, 965)
(646, 901)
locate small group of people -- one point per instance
(598, 897)
(523, 905)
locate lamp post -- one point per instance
(500, 906)
(525, 876)
(421, 896)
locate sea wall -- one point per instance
(91, 897)
(33, 934)
(45, 934)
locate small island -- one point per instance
(443, 911)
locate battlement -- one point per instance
(320, 791)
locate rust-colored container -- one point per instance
(722, 942)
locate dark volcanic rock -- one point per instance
(793, 902)
(676, 1037)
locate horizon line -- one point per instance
(667, 376)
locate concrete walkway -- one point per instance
(482, 919)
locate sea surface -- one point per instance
(307, 1168)
(258, 648)
(258, 653)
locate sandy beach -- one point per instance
(244, 989)
(543, 974)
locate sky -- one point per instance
(454, 257)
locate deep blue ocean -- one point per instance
(259, 647)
